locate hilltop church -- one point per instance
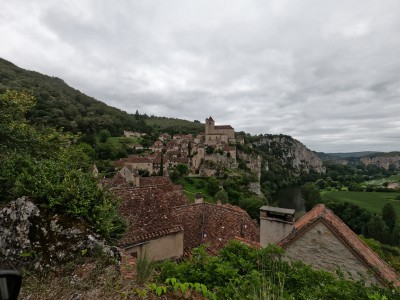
(217, 134)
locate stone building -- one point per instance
(216, 134)
(321, 239)
(152, 226)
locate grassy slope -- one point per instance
(373, 201)
(190, 190)
(393, 178)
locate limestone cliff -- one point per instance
(386, 161)
(290, 152)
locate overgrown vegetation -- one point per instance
(46, 165)
(240, 272)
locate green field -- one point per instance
(393, 178)
(124, 140)
(371, 201)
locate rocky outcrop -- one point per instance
(253, 162)
(390, 160)
(34, 238)
(291, 152)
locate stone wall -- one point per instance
(320, 248)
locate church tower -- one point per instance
(209, 125)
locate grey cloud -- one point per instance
(324, 72)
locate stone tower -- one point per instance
(209, 125)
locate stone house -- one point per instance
(136, 162)
(162, 222)
(321, 239)
(152, 226)
(132, 134)
(216, 134)
(231, 150)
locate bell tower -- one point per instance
(209, 125)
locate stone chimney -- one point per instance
(198, 198)
(275, 224)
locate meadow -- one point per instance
(194, 185)
(371, 201)
(393, 178)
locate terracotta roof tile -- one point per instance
(223, 127)
(320, 212)
(215, 225)
(134, 238)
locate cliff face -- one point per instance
(384, 161)
(291, 153)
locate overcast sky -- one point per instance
(325, 72)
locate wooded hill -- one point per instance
(59, 105)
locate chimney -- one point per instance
(198, 198)
(275, 224)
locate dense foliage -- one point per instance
(58, 105)
(47, 166)
(240, 272)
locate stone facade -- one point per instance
(321, 248)
(321, 239)
(216, 134)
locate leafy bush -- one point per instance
(240, 272)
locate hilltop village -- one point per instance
(163, 224)
(200, 153)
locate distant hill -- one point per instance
(345, 155)
(60, 105)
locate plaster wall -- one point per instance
(169, 246)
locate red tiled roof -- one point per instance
(133, 238)
(117, 181)
(223, 127)
(214, 225)
(247, 242)
(148, 208)
(131, 159)
(320, 212)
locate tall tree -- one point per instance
(389, 215)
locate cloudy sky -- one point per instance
(325, 72)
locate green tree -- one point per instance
(47, 166)
(251, 204)
(104, 135)
(222, 196)
(212, 185)
(378, 229)
(311, 195)
(389, 215)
